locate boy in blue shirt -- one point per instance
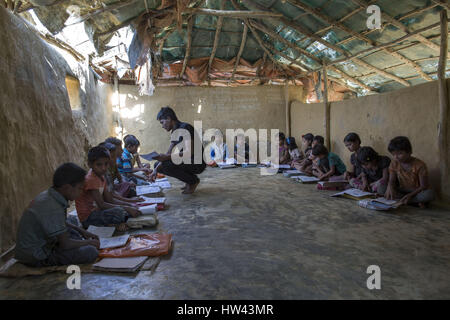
(125, 163)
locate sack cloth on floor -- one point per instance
(152, 245)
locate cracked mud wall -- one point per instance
(38, 130)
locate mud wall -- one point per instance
(412, 112)
(38, 129)
(260, 107)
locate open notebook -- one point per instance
(380, 204)
(295, 172)
(140, 190)
(153, 200)
(306, 179)
(152, 208)
(354, 194)
(102, 232)
(114, 242)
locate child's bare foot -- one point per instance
(122, 227)
(190, 188)
(422, 205)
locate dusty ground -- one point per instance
(246, 236)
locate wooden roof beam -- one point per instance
(216, 38)
(339, 25)
(232, 13)
(241, 49)
(401, 26)
(188, 46)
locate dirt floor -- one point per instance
(247, 236)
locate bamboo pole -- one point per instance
(385, 45)
(232, 13)
(241, 49)
(443, 104)
(337, 24)
(287, 108)
(188, 46)
(216, 40)
(327, 109)
(401, 26)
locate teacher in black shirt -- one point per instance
(186, 172)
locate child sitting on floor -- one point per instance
(44, 237)
(219, 149)
(123, 188)
(96, 206)
(294, 152)
(284, 157)
(305, 165)
(113, 152)
(125, 163)
(408, 176)
(353, 144)
(326, 164)
(375, 171)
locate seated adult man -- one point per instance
(186, 172)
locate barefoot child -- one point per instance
(326, 164)
(408, 176)
(96, 205)
(375, 170)
(44, 237)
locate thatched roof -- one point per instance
(231, 42)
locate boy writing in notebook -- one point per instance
(96, 205)
(408, 176)
(125, 163)
(44, 237)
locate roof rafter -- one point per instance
(241, 49)
(401, 26)
(188, 46)
(341, 26)
(216, 38)
(308, 33)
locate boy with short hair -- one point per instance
(44, 237)
(125, 163)
(326, 164)
(408, 176)
(96, 205)
(123, 188)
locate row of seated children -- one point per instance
(45, 237)
(219, 150)
(404, 178)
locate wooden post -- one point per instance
(443, 103)
(327, 109)
(287, 108)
